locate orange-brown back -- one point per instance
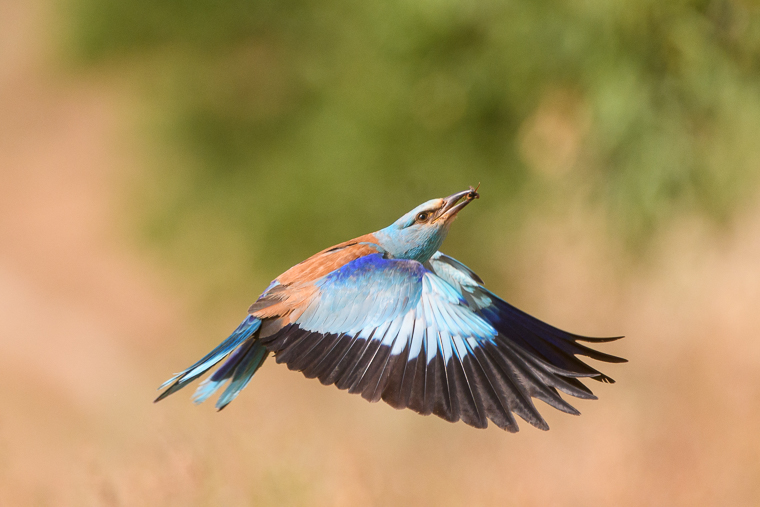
(296, 285)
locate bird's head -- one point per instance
(418, 234)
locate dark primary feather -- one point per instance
(449, 367)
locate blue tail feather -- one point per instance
(223, 374)
(243, 373)
(244, 331)
(240, 367)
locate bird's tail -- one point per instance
(246, 355)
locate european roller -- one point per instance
(388, 316)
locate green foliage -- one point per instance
(298, 123)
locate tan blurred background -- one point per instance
(125, 255)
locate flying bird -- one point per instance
(388, 316)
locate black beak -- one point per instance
(451, 208)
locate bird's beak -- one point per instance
(450, 207)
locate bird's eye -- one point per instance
(421, 217)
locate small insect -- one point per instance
(473, 193)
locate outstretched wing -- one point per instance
(542, 340)
(399, 331)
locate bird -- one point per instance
(388, 316)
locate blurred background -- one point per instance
(162, 160)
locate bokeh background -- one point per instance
(162, 160)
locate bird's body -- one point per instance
(388, 316)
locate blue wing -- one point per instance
(415, 336)
(540, 340)
(549, 343)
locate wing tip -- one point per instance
(511, 428)
(601, 339)
(605, 379)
